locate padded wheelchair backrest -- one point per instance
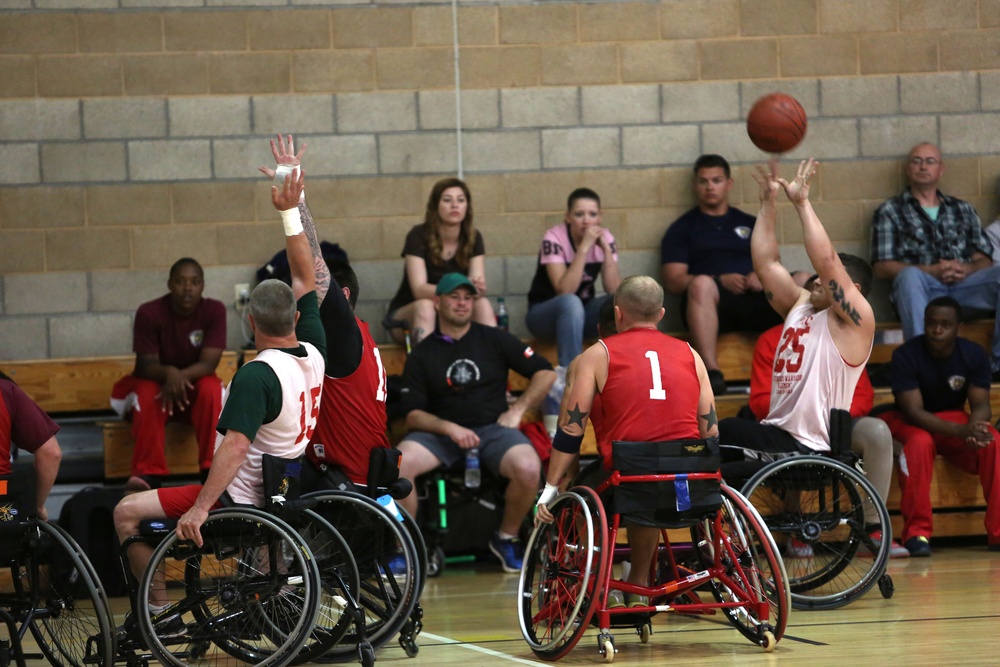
(666, 504)
(282, 480)
(840, 432)
(18, 497)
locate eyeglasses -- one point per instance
(929, 161)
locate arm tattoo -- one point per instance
(319, 264)
(710, 417)
(576, 416)
(838, 295)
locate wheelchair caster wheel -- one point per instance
(435, 562)
(886, 587)
(767, 641)
(645, 630)
(366, 655)
(606, 643)
(409, 647)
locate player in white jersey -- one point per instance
(828, 332)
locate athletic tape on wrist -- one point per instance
(550, 492)
(283, 170)
(292, 220)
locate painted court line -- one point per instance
(480, 649)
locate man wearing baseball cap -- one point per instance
(455, 399)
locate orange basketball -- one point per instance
(776, 123)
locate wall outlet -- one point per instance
(242, 294)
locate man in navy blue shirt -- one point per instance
(933, 376)
(705, 257)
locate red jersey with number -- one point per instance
(351, 424)
(810, 378)
(651, 393)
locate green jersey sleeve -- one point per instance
(254, 399)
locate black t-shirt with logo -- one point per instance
(943, 383)
(465, 381)
(710, 244)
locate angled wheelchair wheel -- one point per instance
(249, 595)
(71, 622)
(563, 574)
(824, 512)
(376, 539)
(746, 568)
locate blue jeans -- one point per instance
(913, 289)
(566, 320)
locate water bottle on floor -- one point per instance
(503, 320)
(473, 476)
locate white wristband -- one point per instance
(292, 220)
(550, 492)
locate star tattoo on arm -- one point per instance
(710, 417)
(576, 416)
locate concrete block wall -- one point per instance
(130, 131)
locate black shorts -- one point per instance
(745, 434)
(740, 312)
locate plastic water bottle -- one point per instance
(503, 320)
(473, 476)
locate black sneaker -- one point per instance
(718, 381)
(919, 546)
(171, 627)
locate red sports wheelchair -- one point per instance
(567, 572)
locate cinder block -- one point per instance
(163, 3)
(989, 90)
(777, 17)
(701, 101)
(663, 144)
(502, 151)
(79, 76)
(120, 32)
(500, 67)
(93, 162)
(377, 196)
(250, 73)
(512, 233)
(128, 205)
(739, 59)
(205, 31)
(362, 239)
(90, 335)
(334, 71)
(970, 50)
(162, 246)
(577, 147)
(819, 55)
(289, 30)
(860, 95)
(41, 208)
(376, 112)
(653, 62)
(487, 192)
(432, 25)
(39, 119)
(579, 64)
(250, 243)
(933, 15)
(521, 270)
(898, 53)
(618, 22)
(125, 291)
(379, 280)
(213, 202)
(209, 116)
(239, 158)
(167, 160)
(625, 188)
(639, 263)
(19, 163)
(857, 15)
(414, 69)
(125, 118)
(342, 155)
(372, 27)
(936, 93)
(219, 280)
(87, 248)
(540, 107)
(862, 179)
(691, 19)
(166, 74)
(537, 24)
(30, 255)
(480, 109)
(894, 135)
(620, 105)
(729, 139)
(495, 279)
(39, 293)
(418, 153)
(19, 79)
(24, 338)
(301, 114)
(831, 138)
(543, 191)
(38, 33)
(644, 228)
(806, 91)
(970, 134)
(76, 4)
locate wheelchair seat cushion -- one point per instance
(666, 504)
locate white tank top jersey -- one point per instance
(287, 436)
(809, 378)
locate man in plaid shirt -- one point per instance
(931, 244)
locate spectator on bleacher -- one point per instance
(270, 408)
(705, 258)
(870, 437)
(25, 425)
(933, 376)
(178, 340)
(352, 416)
(455, 399)
(446, 242)
(652, 388)
(930, 244)
(828, 332)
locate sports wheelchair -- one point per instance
(826, 513)
(47, 586)
(725, 549)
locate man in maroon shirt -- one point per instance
(26, 425)
(178, 340)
